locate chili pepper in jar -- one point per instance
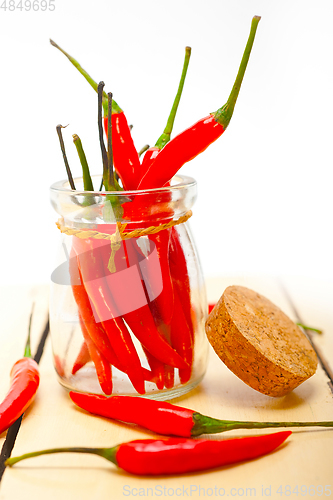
(93, 278)
(24, 378)
(82, 358)
(151, 457)
(137, 315)
(168, 419)
(194, 140)
(103, 367)
(180, 276)
(95, 330)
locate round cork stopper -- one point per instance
(259, 343)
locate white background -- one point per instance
(265, 201)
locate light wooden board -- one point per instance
(304, 461)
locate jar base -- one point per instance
(157, 394)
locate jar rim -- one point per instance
(182, 181)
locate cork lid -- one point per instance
(259, 343)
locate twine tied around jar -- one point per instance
(120, 234)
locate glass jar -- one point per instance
(127, 311)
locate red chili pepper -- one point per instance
(151, 457)
(124, 291)
(91, 267)
(168, 419)
(82, 358)
(158, 416)
(181, 338)
(210, 308)
(148, 159)
(125, 157)
(95, 330)
(158, 274)
(103, 367)
(180, 277)
(24, 382)
(178, 456)
(193, 141)
(157, 369)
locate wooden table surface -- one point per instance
(302, 467)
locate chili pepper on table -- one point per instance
(126, 158)
(168, 419)
(152, 457)
(24, 382)
(194, 140)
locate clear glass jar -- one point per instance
(127, 316)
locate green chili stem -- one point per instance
(208, 425)
(309, 328)
(143, 149)
(224, 114)
(108, 453)
(87, 182)
(27, 349)
(62, 145)
(115, 108)
(165, 137)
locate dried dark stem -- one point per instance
(62, 145)
(100, 131)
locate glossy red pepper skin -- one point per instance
(140, 320)
(103, 367)
(148, 159)
(82, 358)
(125, 157)
(96, 331)
(157, 274)
(93, 277)
(180, 276)
(179, 456)
(210, 307)
(181, 149)
(158, 416)
(181, 339)
(24, 382)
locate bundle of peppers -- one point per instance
(163, 326)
